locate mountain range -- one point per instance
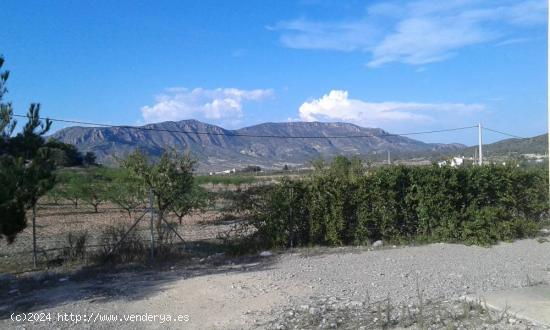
(216, 148)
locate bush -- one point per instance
(76, 246)
(132, 248)
(343, 204)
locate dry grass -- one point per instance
(57, 228)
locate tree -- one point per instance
(195, 198)
(252, 169)
(65, 154)
(89, 158)
(88, 185)
(94, 189)
(71, 187)
(26, 170)
(126, 190)
(168, 179)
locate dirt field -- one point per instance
(54, 223)
(300, 289)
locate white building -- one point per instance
(457, 161)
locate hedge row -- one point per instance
(343, 205)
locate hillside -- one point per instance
(533, 145)
(222, 148)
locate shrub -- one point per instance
(76, 246)
(344, 204)
(280, 214)
(130, 249)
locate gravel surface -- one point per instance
(335, 313)
(442, 270)
(304, 289)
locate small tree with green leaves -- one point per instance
(126, 190)
(70, 186)
(169, 179)
(94, 189)
(195, 199)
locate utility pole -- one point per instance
(389, 158)
(291, 219)
(480, 136)
(34, 235)
(548, 99)
(152, 210)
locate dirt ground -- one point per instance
(55, 222)
(252, 292)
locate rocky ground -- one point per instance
(349, 288)
(341, 313)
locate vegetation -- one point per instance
(251, 169)
(196, 198)
(67, 155)
(533, 145)
(126, 190)
(26, 169)
(225, 179)
(169, 180)
(338, 204)
(344, 204)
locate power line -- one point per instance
(144, 128)
(503, 133)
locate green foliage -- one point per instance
(26, 171)
(251, 169)
(93, 187)
(89, 158)
(125, 190)
(69, 186)
(67, 155)
(224, 179)
(64, 154)
(280, 214)
(195, 199)
(89, 185)
(169, 179)
(344, 204)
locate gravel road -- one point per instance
(271, 292)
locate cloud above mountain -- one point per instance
(209, 104)
(417, 32)
(337, 106)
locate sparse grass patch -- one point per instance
(330, 313)
(132, 248)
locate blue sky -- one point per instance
(400, 65)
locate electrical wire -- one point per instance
(503, 133)
(145, 128)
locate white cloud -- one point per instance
(331, 36)
(199, 103)
(417, 32)
(337, 106)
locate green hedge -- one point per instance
(341, 205)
